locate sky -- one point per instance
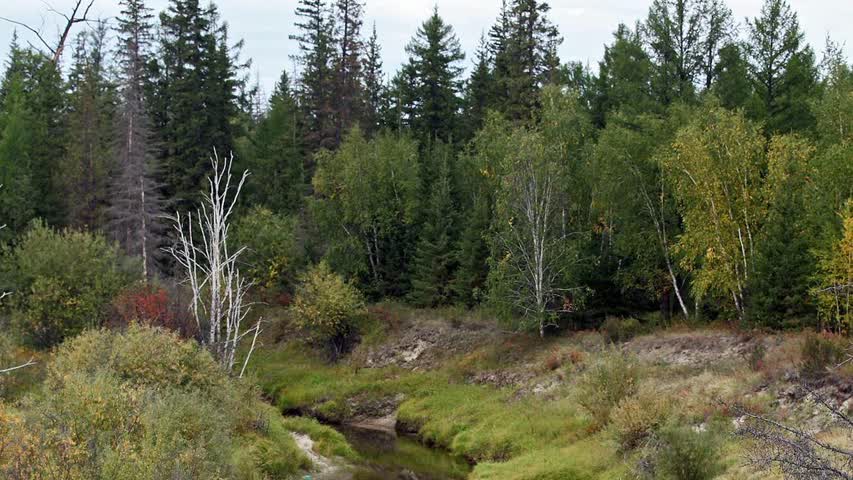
(586, 25)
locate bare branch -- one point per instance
(10, 369)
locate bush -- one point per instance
(272, 254)
(818, 353)
(64, 280)
(686, 453)
(328, 307)
(617, 329)
(613, 377)
(155, 306)
(143, 404)
(639, 416)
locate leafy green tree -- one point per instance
(272, 254)
(784, 264)
(719, 30)
(65, 280)
(432, 97)
(834, 292)
(367, 201)
(716, 163)
(434, 261)
(276, 153)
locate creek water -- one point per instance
(401, 457)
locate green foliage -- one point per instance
(272, 252)
(613, 377)
(64, 281)
(834, 292)
(17, 197)
(328, 307)
(687, 454)
(367, 204)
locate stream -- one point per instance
(400, 457)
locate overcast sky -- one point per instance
(586, 25)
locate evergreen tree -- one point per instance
(277, 154)
(624, 78)
(90, 134)
(348, 95)
(136, 210)
(718, 32)
(478, 91)
(776, 45)
(316, 47)
(374, 85)
(434, 260)
(18, 198)
(732, 84)
(674, 30)
(41, 90)
(194, 103)
(784, 263)
(524, 46)
(431, 100)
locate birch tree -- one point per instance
(218, 289)
(530, 241)
(716, 163)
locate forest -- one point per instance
(174, 240)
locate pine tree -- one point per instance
(87, 165)
(316, 57)
(348, 86)
(434, 260)
(624, 78)
(277, 154)
(431, 99)
(374, 85)
(136, 208)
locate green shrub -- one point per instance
(637, 417)
(617, 329)
(328, 307)
(143, 404)
(272, 254)
(611, 378)
(686, 453)
(818, 353)
(64, 281)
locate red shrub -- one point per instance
(155, 306)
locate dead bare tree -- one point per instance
(799, 454)
(218, 290)
(75, 17)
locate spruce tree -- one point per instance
(434, 260)
(277, 154)
(624, 78)
(316, 83)
(90, 135)
(731, 77)
(18, 198)
(374, 84)
(478, 91)
(194, 97)
(348, 82)
(136, 208)
(432, 98)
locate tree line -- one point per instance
(704, 168)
